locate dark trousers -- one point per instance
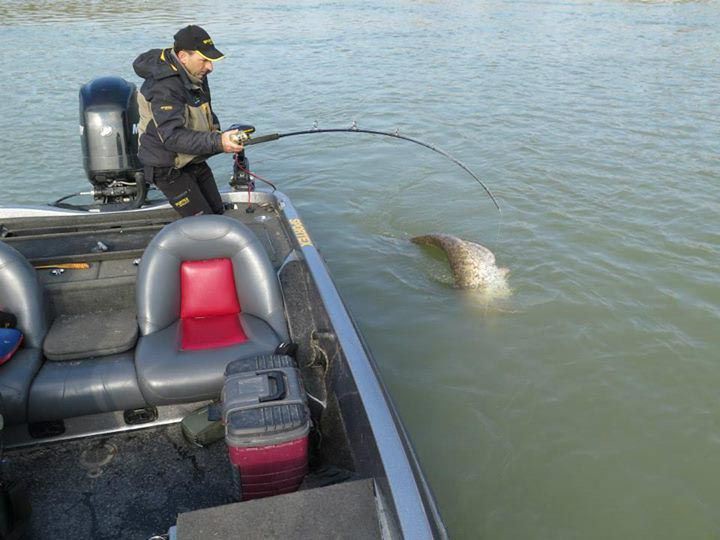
(191, 190)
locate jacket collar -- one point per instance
(189, 79)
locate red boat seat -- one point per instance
(207, 294)
(209, 307)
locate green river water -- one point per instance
(586, 405)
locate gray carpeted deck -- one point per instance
(344, 511)
(134, 485)
(154, 475)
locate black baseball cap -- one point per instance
(194, 38)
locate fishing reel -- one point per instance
(243, 134)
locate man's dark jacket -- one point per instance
(177, 125)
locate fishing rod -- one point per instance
(245, 131)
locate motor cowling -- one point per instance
(108, 129)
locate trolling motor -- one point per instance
(241, 178)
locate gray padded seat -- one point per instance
(16, 375)
(80, 387)
(166, 373)
(86, 335)
(21, 295)
(33, 391)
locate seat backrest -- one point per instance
(22, 295)
(201, 238)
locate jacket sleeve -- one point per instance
(169, 113)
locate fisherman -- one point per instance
(178, 130)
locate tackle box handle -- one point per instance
(280, 388)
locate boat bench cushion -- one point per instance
(92, 334)
(168, 375)
(15, 377)
(79, 387)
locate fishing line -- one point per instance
(499, 229)
(354, 129)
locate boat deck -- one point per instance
(131, 485)
(340, 511)
(134, 485)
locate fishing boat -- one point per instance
(133, 323)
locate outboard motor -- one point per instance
(108, 129)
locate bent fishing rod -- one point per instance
(245, 131)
